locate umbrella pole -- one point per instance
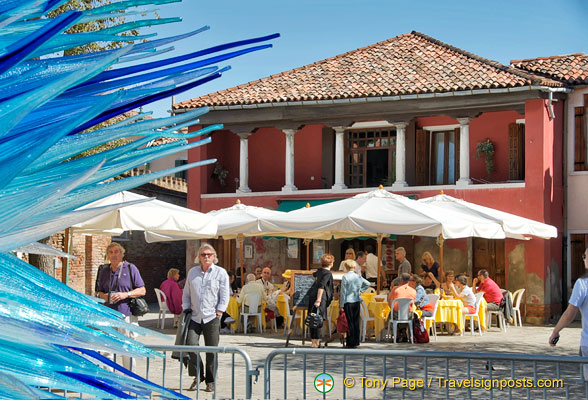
(307, 244)
(379, 259)
(440, 242)
(240, 239)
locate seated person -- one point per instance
(349, 255)
(402, 291)
(422, 300)
(492, 292)
(430, 283)
(251, 287)
(286, 288)
(429, 265)
(461, 290)
(173, 294)
(446, 285)
(264, 281)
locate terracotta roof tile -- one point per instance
(412, 63)
(571, 68)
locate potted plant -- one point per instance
(220, 173)
(486, 147)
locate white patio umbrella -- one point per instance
(513, 225)
(379, 213)
(240, 220)
(161, 221)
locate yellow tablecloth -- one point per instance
(368, 297)
(450, 310)
(234, 310)
(283, 309)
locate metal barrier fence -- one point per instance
(346, 373)
(178, 367)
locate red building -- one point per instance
(409, 113)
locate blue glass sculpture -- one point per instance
(50, 335)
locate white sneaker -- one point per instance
(225, 330)
(229, 320)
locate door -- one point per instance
(489, 255)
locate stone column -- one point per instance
(464, 152)
(289, 186)
(339, 159)
(244, 163)
(400, 155)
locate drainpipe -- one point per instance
(550, 92)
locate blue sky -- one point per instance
(312, 30)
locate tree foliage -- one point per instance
(92, 26)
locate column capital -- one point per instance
(244, 135)
(339, 129)
(464, 120)
(289, 132)
(399, 125)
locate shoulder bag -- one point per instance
(138, 305)
(314, 319)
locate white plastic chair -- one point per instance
(433, 299)
(162, 300)
(254, 303)
(501, 322)
(404, 317)
(474, 316)
(365, 318)
(516, 306)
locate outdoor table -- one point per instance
(234, 310)
(368, 297)
(450, 310)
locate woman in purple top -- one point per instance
(118, 283)
(429, 265)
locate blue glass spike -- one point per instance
(17, 52)
(123, 82)
(16, 109)
(100, 385)
(169, 133)
(87, 195)
(113, 30)
(75, 144)
(116, 73)
(146, 54)
(33, 203)
(146, 100)
(64, 42)
(40, 227)
(126, 4)
(12, 166)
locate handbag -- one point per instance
(342, 325)
(138, 305)
(314, 320)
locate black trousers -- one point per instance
(211, 333)
(352, 313)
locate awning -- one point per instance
(290, 205)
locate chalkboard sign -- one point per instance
(301, 281)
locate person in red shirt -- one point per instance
(173, 293)
(402, 291)
(492, 292)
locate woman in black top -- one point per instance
(321, 293)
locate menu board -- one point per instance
(301, 281)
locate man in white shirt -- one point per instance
(207, 294)
(371, 269)
(264, 281)
(251, 287)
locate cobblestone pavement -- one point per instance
(525, 340)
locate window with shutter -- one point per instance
(444, 157)
(422, 157)
(516, 151)
(580, 139)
